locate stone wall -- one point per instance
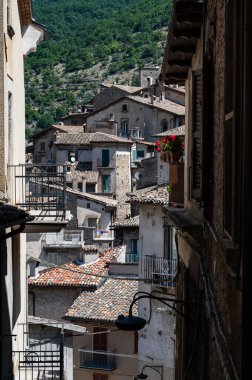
(148, 173)
(50, 302)
(123, 183)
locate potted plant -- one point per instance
(171, 148)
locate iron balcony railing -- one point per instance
(105, 164)
(42, 356)
(38, 188)
(64, 238)
(132, 258)
(160, 271)
(103, 360)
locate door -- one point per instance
(100, 344)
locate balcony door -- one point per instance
(100, 344)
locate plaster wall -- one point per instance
(121, 342)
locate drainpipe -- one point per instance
(246, 194)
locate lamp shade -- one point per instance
(130, 323)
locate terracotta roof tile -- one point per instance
(179, 131)
(130, 222)
(111, 299)
(154, 195)
(165, 104)
(89, 138)
(62, 277)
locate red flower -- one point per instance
(165, 140)
(157, 143)
(159, 149)
(183, 146)
(172, 137)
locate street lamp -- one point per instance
(134, 323)
(157, 368)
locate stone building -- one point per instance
(136, 116)
(209, 50)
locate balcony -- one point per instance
(132, 258)
(103, 234)
(105, 164)
(159, 271)
(41, 190)
(103, 360)
(63, 239)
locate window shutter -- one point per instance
(196, 180)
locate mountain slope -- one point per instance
(91, 40)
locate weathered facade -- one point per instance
(19, 34)
(212, 231)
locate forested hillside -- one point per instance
(90, 41)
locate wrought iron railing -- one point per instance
(132, 258)
(160, 271)
(97, 359)
(38, 188)
(42, 356)
(66, 238)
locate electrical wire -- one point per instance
(108, 277)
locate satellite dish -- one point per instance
(137, 175)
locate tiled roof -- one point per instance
(90, 248)
(11, 215)
(89, 176)
(109, 202)
(129, 89)
(89, 138)
(62, 129)
(62, 277)
(154, 195)
(111, 299)
(165, 104)
(179, 131)
(130, 222)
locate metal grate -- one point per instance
(160, 271)
(38, 187)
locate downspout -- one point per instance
(246, 194)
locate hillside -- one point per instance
(90, 41)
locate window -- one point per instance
(80, 186)
(106, 183)
(92, 222)
(134, 246)
(42, 146)
(170, 250)
(196, 174)
(54, 258)
(164, 125)
(125, 107)
(88, 205)
(140, 153)
(105, 157)
(90, 188)
(124, 127)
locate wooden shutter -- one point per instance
(100, 376)
(105, 157)
(196, 180)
